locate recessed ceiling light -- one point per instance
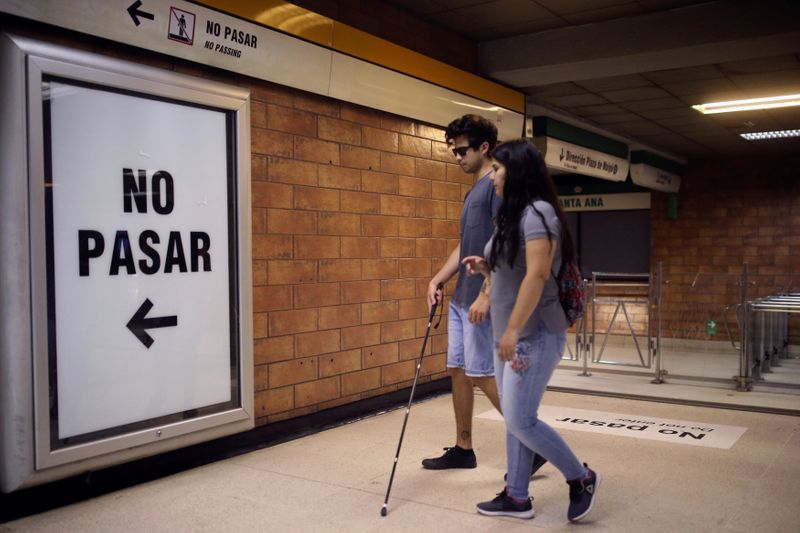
(763, 135)
(771, 102)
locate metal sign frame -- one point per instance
(26, 63)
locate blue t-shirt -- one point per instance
(506, 281)
(477, 216)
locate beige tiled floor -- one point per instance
(336, 481)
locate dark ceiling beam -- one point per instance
(712, 32)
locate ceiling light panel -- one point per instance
(750, 104)
(765, 135)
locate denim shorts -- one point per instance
(469, 346)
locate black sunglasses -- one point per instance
(461, 150)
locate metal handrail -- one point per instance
(621, 275)
(623, 284)
(725, 322)
(779, 303)
(775, 308)
(643, 301)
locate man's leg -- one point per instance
(463, 402)
(488, 385)
(460, 455)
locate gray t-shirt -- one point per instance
(477, 215)
(506, 281)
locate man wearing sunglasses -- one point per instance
(470, 359)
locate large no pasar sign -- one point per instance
(142, 248)
(178, 253)
(181, 252)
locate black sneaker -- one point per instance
(582, 493)
(538, 462)
(454, 457)
(505, 505)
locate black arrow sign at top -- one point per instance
(133, 11)
(138, 323)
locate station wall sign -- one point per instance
(563, 155)
(139, 255)
(656, 172)
(605, 202)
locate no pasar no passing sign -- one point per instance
(140, 241)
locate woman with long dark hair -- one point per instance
(530, 241)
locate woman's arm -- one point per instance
(538, 258)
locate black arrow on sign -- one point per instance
(138, 323)
(133, 11)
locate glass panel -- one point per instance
(141, 261)
(702, 320)
(699, 326)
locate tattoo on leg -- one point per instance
(465, 435)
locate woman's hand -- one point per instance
(476, 265)
(508, 344)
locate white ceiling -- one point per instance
(634, 68)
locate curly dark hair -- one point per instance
(477, 129)
(526, 181)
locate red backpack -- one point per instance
(571, 291)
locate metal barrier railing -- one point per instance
(620, 303)
(725, 313)
(585, 346)
(767, 324)
(656, 293)
(576, 354)
(762, 323)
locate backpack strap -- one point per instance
(533, 205)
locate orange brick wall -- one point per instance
(729, 212)
(603, 312)
(353, 210)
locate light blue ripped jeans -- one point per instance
(521, 383)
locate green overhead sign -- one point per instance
(605, 202)
(655, 172)
(572, 149)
